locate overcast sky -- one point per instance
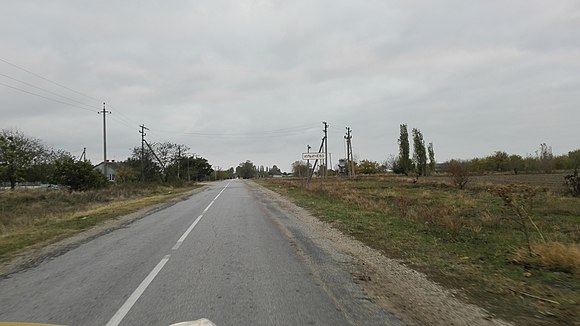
(253, 80)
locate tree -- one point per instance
(77, 175)
(419, 152)
(404, 151)
(246, 170)
(516, 163)
(17, 155)
(458, 173)
(196, 168)
(432, 162)
(146, 167)
(546, 158)
(575, 157)
(274, 171)
(368, 167)
(299, 169)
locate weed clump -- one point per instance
(555, 256)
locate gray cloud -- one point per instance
(229, 78)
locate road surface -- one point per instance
(226, 253)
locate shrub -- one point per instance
(458, 173)
(573, 183)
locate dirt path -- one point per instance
(401, 290)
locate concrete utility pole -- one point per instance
(308, 161)
(143, 134)
(349, 155)
(325, 148)
(178, 161)
(104, 113)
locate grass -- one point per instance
(464, 239)
(33, 218)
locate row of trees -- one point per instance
(167, 162)
(418, 164)
(543, 161)
(27, 159)
(247, 170)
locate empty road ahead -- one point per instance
(227, 253)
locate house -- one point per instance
(112, 168)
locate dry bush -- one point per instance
(518, 198)
(458, 173)
(403, 206)
(555, 256)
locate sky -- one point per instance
(255, 80)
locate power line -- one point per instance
(50, 92)
(47, 98)
(48, 80)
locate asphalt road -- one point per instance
(226, 253)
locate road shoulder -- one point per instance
(404, 292)
(33, 257)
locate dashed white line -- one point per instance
(122, 312)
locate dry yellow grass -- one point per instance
(552, 255)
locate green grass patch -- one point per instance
(33, 218)
(463, 239)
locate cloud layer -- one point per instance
(237, 80)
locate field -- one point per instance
(468, 240)
(33, 218)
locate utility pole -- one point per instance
(83, 155)
(308, 161)
(178, 161)
(104, 113)
(349, 156)
(325, 148)
(143, 134)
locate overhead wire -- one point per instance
(125, 120)
(45, 97)
(48, 91)
(48, 80)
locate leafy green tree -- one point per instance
(17, 155)
(246, 170)
(77, 175)
(196, 168)
(432, 162)
(404, 150)
(419, 152)
(147, 168)
(368, 167)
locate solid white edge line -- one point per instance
(122, 312)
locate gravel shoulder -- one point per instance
(406, 293)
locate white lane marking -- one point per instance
(122, 312)
(180, 241)
(188, 231)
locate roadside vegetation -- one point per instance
(34, 218)
(514, 249)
